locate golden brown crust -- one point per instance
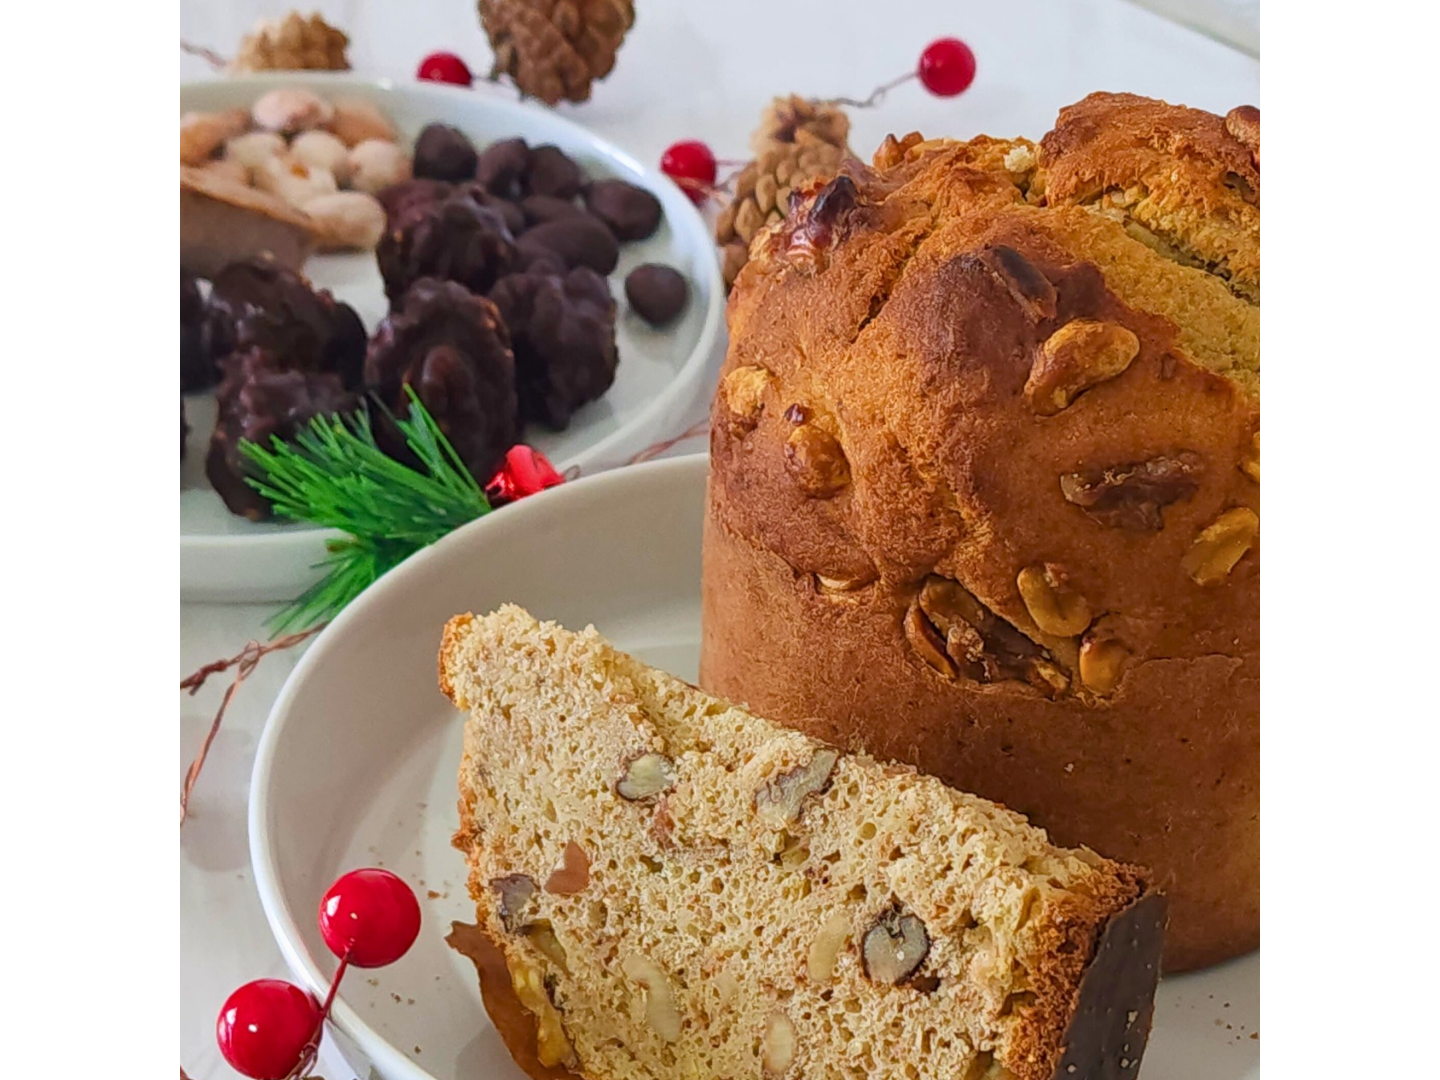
(1017, 393)
(1188, 178)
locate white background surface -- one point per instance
(688, 69)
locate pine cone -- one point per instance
(293, 43)
(786, 117)
(554, 49)
(762, 193)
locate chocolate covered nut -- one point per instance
(477, 193)
(630, 212)
(580, 241)
(553, 172)
(656, 293)
(398, 198)
(456, 239)
(502, 166)
(539, 209)
(444, 153)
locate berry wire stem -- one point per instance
(312, 1049)
(877, 96)
(210, 56)
(244, 662)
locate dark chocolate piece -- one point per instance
(444, 153)
(456, 239)
(538, 209)
(259, 303)
(553, 172)
(630, 212)
(1116, 1000)
(453, 349)
(197, 368)
(502, 168)
(401, 197)
(563, 330)
(580, 240)
(260, 398)
(656, 293)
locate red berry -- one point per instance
(369, 916)
(445, 67)
(691, 165)
(947, 67)
(265, 1026)
(525, 472)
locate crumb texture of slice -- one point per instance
(681, 889)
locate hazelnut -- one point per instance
(376, 165)
(744, 392)
(541, 934)
(291, 110)
(517, 900)
(660, 1010)
(1047, 677)
(825, 950)
(254, 148)
(294, 181)
(321, 150)
(348, 219)
(813, 456)
(573, 873)
(1250, 464)
(1221, 545)
(356, 120)
(1057, 609)
(927, 642)
(645, 777)
(553, 1046)
(1079, 355)
(779, 801)
(1102, 662)
(201, 134)
(895, 947)
(777, 1045)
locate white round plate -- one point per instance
(661, 373)
(358, 761)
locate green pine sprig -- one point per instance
(333, 474)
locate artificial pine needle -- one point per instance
(334, 474)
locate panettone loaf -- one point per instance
(669, 887)
(984, 485)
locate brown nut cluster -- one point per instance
(780, 801)
(1131, 495)
(743, 390)
(1102, 662)
(892, 950)
(814, 457)
(1057, 608)
(957, 635)
(1081, 354)
(1221, 545)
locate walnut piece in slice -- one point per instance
(661, 1012)
(517, 900)
(779, 802)
(895, 947)
(573, 873)
(646, 777)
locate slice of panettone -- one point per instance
(671, 887)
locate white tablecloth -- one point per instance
(687, 70)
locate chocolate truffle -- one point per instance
(630, 212)
(656, 293)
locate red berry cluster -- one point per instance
(270, 1029)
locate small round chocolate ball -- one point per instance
(630, 212)
(656, 293)
(444, 153)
